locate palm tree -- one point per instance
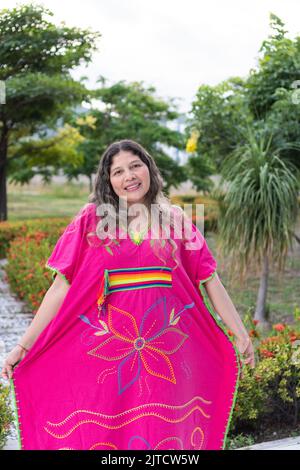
(260, 209)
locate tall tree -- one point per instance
(261, 209)
(272, 85)
(36, 57)
(270, 96)
(130, 111)
(218, 114)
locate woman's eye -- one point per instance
(119, 171)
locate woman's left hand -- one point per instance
(245, 347)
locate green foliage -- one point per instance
(268, 98)
(238, 441)
(270, 393)
(30, 43)
(11, 230)
(130, 111)
(278, 67)
(219, 113)
(211, 209)
(30, 246)
(6, 414)
(272, 89)
(261, 203)
(36, 57)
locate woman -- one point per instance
(126, 350)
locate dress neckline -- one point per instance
(136, 237)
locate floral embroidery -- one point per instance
(148, 346)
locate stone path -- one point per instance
(14, 320)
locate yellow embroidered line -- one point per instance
(237, 353)
(123, 413)
(150, 327)
(157, 374)
(108, 444)
(168, 420)
(202, 437)
(173, 438)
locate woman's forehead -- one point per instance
(124, 158)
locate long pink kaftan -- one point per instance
(135, 358)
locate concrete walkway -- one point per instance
(290, 443)
(15, 319)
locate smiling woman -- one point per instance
(135, 357)
(129, 177)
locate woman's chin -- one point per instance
(132, 199)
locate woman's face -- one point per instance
(129, 177)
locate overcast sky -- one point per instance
(174, 45)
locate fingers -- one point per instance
(250, 360)
(7, 372)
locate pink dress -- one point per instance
(135, 358)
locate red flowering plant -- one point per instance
(269, 394)
(27, 255)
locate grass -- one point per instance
(36, 201)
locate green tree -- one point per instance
(272, 88)
(218, 114)
(36, 57)
(261, 209)
(130, 111)
(268, 97)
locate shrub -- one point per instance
(11, 230)
(270, 393)
(6, 414)
(211, 209)
(27, 255)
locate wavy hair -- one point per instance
(103, 193)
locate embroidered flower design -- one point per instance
(148, 346)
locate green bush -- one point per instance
(6, 414)
(27, 255)
(270, 393)
(11, 230)
(211, 209)
(238, 441)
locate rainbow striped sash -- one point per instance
(116, 280)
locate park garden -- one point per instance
(245, 130)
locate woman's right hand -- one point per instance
(11, 360)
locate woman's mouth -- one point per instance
(133, 187)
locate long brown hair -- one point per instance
(103, 192)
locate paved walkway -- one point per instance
(290, 443)
(14, 320)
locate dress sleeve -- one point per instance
(198, 258)
(65, 255)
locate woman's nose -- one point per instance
(129, 174)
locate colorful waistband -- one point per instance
(115, 280)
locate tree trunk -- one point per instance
(260, 311)
(3, 165)
(91, 183)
